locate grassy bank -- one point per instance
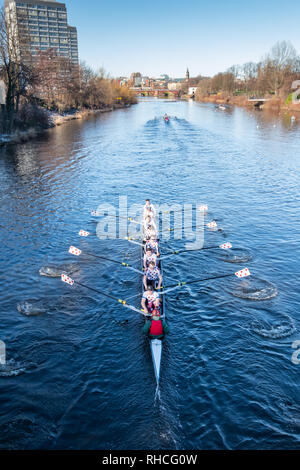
(275, 104)
(53, 119)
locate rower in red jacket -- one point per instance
(157, 327)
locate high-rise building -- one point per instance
(42, 24)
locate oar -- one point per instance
(96, 214)
(212, 224)
(83, 233)
(224, 246)
(132, 240)
(71, 282)
(77, 252)
(242, 273)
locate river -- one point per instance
(78, 371)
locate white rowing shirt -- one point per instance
(151, 223)
(152, 274)
(150, 297)
(152, 245)
(148, 259)
(149, 233)
(151, 207)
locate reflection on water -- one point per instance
(79, 371)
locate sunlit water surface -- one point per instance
(78, 374)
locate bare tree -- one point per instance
(279, 63)
(15, 73)
(56, 81)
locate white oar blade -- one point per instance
(243, 273)
(83, 233)
(74, 251)
(67, 279)
(203, 208)
(212, 224)
(225, 246)
(156, 350)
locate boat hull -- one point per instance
(156, 351)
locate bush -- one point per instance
(32, 116)
(124, 95)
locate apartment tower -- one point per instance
(42, 25)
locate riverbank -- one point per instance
(55, 119)
(275, 104)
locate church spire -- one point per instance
(187, 75)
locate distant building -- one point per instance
(135, 79)
(121, 81)
(173, 86)
(145, 82)
(192, 90)
(187, 75)
(41, 24)
(179, 80)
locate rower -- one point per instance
(149, 221)
(148, 212)
(150, 232)
(152, 276)
(152, 244)
(157, 327)
(148, 257)
(150, 206)
(150, 300)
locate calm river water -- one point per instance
(78, 374)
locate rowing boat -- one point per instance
(156, 345)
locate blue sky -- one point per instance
(156, 37)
